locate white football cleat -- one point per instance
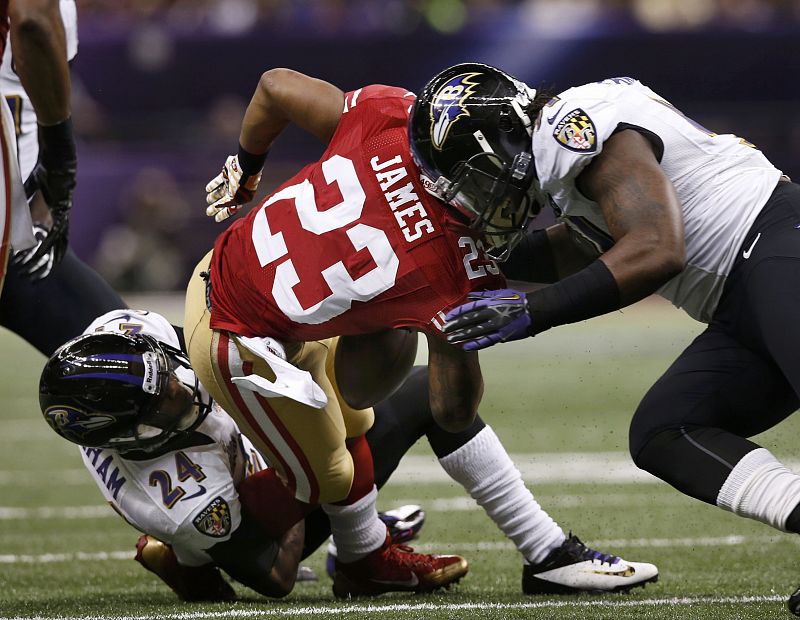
(573, 568)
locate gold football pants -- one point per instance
(306, 445)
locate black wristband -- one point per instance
(588, 293)
(57, 141)
(250, 163)
(532, 260)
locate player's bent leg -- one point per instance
(57, 308)
(190, 583)
(690, 430)
(306, 445)
(476, 459)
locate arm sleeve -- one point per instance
(532, 260)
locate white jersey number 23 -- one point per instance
(343, 217)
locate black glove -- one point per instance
(54, 175)
(35, 269)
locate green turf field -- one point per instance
(560, 402)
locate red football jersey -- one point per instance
(352, 244)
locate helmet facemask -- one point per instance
(177, 405)
(494, 197)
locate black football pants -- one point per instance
(741, 376)
(51, 311)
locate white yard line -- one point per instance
(419, 607)
(28, 478)
(77, 556)
(431, 506)
(8, 513)
(586, 467)
(709, 541)
(416, 469)
(612, 544)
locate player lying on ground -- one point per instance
(188, 479)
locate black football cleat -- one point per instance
(794, 602)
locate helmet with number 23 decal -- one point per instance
(126, 392)
(470, 134)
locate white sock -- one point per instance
(482, 466)
(356, 528)
(759, 487)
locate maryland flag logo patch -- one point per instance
(215, 519)
(576, 132)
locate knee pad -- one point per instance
(336, 480)
(651, 451)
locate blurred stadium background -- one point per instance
(160, 87)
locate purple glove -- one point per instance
(491, 317)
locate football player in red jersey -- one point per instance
(352, 244)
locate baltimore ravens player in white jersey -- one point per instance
(20, 104)
(185, 492)
(174, 465)
(186, 497)
(46, 301)
(649, 201)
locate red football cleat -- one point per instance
(396, 568)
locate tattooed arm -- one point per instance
(642, 213)
(456, 384)
(643, 216)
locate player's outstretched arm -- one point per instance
(40, 58)
(644, 217)
(642, 212)
(282, 96)
(456, 384)
(261, 563)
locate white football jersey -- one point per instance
(186, 497)
(21, 108)
(721, 181)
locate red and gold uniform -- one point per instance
(352, 244)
